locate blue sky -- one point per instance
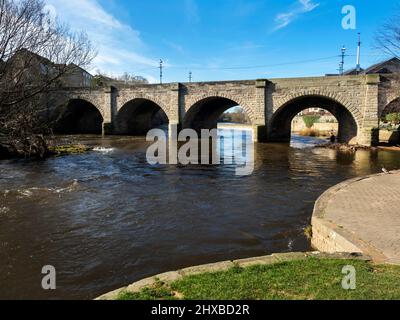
(208, 37)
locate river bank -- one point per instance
(46, 147)
(389, 148)
(342, 147)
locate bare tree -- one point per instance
(36, 52)
(235, 115)
(102, 79)
(132, 79)
(388, 37)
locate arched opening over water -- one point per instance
(139, 116)
(209, 112)
(235, 116)
(390, 123)
(391, 108)
(281, 122)
(315, 122)
(79, 117)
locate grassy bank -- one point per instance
(300, 279)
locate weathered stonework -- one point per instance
(357, 101)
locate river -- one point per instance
(106, 218)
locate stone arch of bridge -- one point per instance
(139, 115)
(78, 116)
(279, 126)
(204, 112)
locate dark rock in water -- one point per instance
(5, 152)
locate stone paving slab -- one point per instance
(366, 213)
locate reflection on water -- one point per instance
(306, 142)
(106, 218)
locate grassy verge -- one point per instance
(295, 280)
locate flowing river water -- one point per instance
(106, 218)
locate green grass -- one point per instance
(311, 279)
(69, 149)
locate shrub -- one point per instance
(309, 121)
(393, 118)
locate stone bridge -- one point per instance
(356, 101)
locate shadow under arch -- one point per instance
(392, 107)
(281, 121)
(79, 116)
(205, 113)
(138, 116)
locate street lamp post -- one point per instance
(161, 71)
(341, 66)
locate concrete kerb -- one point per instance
(329, 236)
(170, 277)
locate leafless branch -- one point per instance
(388, 37)
(35, 54)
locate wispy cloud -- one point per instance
(246, 46)
(192, 11)
(243, 8)
(108, 34)
(300, 7)
(175, 46)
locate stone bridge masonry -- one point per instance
(356, 101)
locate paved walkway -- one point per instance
(366, 212)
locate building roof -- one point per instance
(353, 72)
(27, 53)
(376, 68)
(74, 66)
